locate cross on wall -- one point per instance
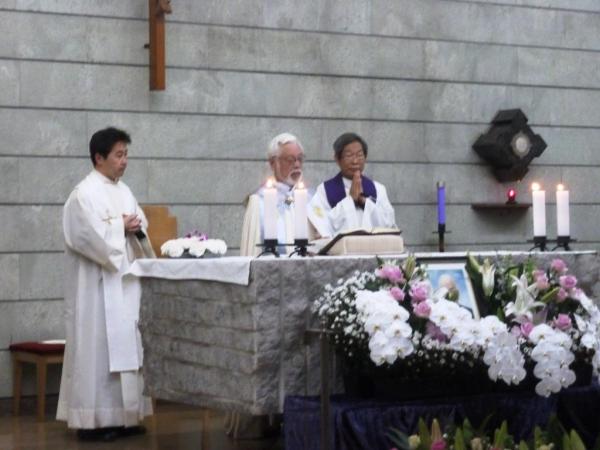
(156, 15)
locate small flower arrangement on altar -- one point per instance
(193, 245)
(393, 318)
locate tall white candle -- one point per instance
(562, 211)
(270, 210)
(539, 210)
(300, 215)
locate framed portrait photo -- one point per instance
(454, 277)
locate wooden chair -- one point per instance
(161, 225)
(41, 354)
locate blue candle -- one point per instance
(441, 202)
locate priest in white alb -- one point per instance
(286, 157)
(350, 200)
(101, 385)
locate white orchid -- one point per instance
(524, 298)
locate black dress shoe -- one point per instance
(132, 431)
(98, 434)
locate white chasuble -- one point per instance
(252, 228)
(345, 215)
(101, 384)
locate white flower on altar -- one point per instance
(216, 246)
(525, 298)
(195, 246)
(504, 359)
(173, 248)
(385, 322)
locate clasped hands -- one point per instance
(132, 223)
(356, 191)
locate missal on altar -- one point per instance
(363, 242)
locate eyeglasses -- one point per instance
(291, 159)
(352, 156)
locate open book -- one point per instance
(362, 241)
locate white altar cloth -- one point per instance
(234, 269)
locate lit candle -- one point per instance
(562, 211)
(539, 210)
(441, 202)
(270, 210)
(300, 218)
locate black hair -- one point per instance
(345, 139)
(103, 141)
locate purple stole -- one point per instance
(334, 188)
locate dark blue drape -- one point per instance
(363, 424)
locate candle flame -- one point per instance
(300, 185)
(535, 186)
(270, 182)
(560, 187)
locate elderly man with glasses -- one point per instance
(285, 156)
(350, 200)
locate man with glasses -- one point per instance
(285, 156)
(350, 200)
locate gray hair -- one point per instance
(278, 141)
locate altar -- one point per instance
(229, 333)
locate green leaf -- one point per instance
(550, 295)
(459, 441)
(576, 442)
(566, 443)
(523, 445)
(500, 435)
(424, 434)
(554, 429)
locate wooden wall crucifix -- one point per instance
(157, 11)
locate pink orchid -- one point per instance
(440, 444)
(526, 328)
(422, 310)
(558, 266)
(537, 273)
(392, 273)
(567, 281)
(562, 295)
(397, 293)
(419, 292)
(435, 332)
(562, 322)
(542, 282)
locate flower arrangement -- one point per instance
(394, 318)
(194, 244)
(466, 437)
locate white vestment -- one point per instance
(345, 216)
(252, 228)
(101, 383)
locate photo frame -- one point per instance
(454, 273)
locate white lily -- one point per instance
(487, 270)
(525, 298)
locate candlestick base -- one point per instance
(441, 231)
(539, 242)
(269, 246)
(300, 247)
(563, 242)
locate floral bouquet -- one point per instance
(393, 318)
(193, 245)
(556, 325)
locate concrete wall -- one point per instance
(419, 79)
